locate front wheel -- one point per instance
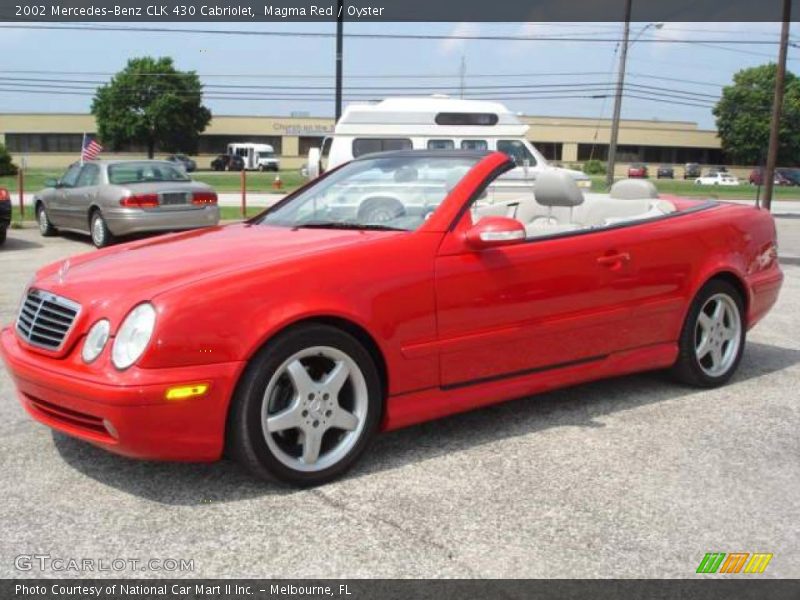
(45, 226)
(306, 407)
(713, 336)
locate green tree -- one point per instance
(6, 166)
(744, 112)
(150, 102)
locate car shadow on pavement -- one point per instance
(578, 406)
(13, 243)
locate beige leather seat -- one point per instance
(552, 209)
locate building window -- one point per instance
(23, 143)
(306, 142)
(363, 146)
(550, 150)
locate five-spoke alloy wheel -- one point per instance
(713, 336)
(306, 407)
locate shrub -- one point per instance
(6, 166)
(594, 167)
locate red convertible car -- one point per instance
(397, 288)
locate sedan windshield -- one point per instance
(144, 172)
(392, 192)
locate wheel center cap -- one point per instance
(315, 406)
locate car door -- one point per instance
(56, 203)
(77, 199)
(540, 304)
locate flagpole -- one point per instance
(83, 145)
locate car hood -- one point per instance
(139, 271)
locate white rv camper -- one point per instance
(434, 122)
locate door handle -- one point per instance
(614, 260)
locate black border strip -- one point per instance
(533, 371)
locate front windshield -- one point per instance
(266, 154)
(393, 192)
(144, 172)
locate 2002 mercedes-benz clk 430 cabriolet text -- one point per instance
(398, 288)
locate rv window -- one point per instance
(466, 119)
(518, 151)
(441, 144)
(363, 146)
(474, 145)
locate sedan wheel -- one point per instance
(713, 336)
(306, 407)
(45, 226)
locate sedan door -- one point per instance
(56, 202)
(78, 199)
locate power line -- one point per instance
(402, 36)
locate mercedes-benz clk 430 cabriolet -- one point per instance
(290, 340)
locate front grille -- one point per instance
(45, 319)
(172, 198)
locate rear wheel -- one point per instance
(713, 336)
(101, 236)
(45, 226)
(307, 406)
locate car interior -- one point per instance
(557, 205)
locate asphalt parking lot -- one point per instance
(633, 477)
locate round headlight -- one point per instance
(95, 340)
(133, 336)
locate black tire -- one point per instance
(46, 228)
(688, 368)
(2, 235)
(246, 437)
(99, 231)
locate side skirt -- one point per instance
(417, 407)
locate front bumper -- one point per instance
(130, 416)
(124, 221)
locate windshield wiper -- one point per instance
(346, 225)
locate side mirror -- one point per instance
(495, 231)
(53, 183)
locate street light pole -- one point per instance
(777, 106)
(623, 57)
(339, 40)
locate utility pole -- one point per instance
(777, 106)
(623, 56)
(339, 39)
(463, 73)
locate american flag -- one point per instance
(91, 149)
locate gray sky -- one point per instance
(302, 63)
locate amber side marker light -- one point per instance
(182, 392)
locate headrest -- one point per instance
(633, 189)
(557, 188)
